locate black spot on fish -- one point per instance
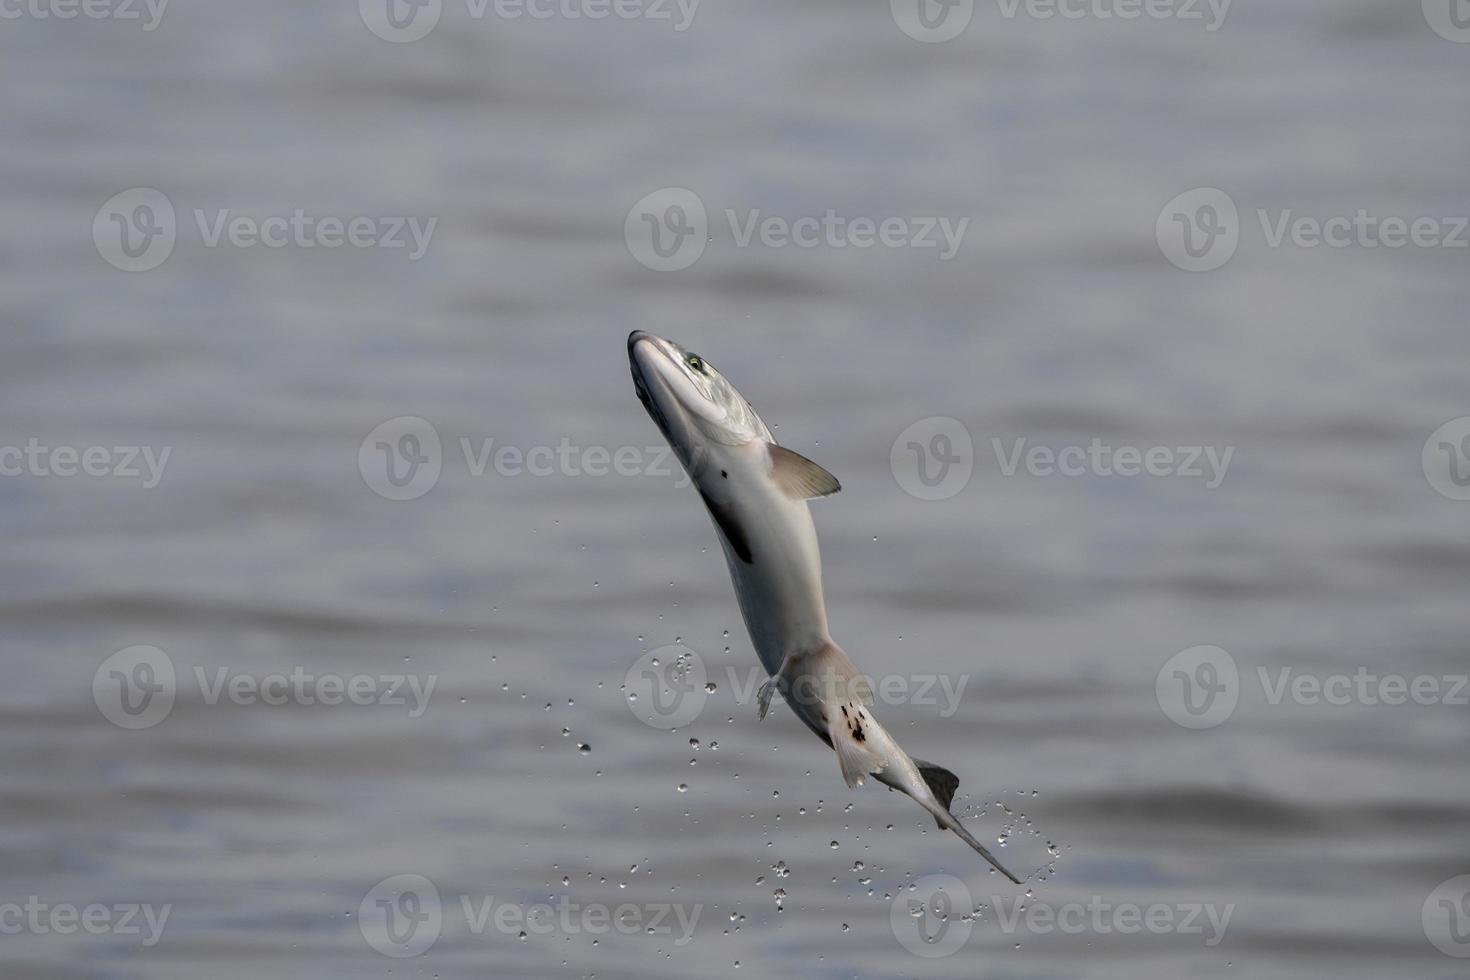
(724, 474)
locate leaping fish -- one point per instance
(756, 492)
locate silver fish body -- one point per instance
(757, 494)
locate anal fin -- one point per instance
(848, 728)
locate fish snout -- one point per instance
(643, 337)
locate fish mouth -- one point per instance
(637, 367)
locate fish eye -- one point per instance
(695, 362)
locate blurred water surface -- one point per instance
(526, 599)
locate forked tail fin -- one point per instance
(943, 783)
(968, 838)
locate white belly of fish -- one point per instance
(780, 588)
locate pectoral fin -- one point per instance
(798, 477)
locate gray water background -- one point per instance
(1325, 549)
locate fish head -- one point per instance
(691, 402)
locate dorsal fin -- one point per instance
(798, 477)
